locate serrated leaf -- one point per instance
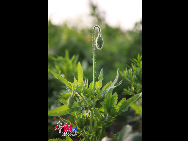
(111, 85)
(63, 101)
(106, 86)
(80, 74)
(62, 110)
(113, 99)
(75, 83)
(62, 79)
(126, 103)
(100, 75)
(120, 103)
(119, 83)
(105, 89)
(98, 84)
(138, 109)
(116, 79)
(91, 86)
(66, 95)
(107, 101)
(97, 113)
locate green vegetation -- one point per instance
(95, 98)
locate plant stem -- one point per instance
(93, 61)
(99, 31)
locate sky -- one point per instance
(123, 13)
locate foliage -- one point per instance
(119, 47)
(64, 65)
(85, 100)
(137, 106)
(134, 76)
(67, 66)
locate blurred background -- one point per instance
(70, 26)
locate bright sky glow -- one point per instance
(117, 12)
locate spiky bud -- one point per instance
(99, 42)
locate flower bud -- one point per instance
(99, 42)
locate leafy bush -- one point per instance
(81, 98)
(134, 76)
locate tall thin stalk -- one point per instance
(93, 39)
(99, 45)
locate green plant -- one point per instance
(134, 76)
(65, 65)
(92, 107)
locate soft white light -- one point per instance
(117, 12)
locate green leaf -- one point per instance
(110, 102)
(62, 110)
(111, 85)
(80, 74)
(75, 84)
(116, 79)
(62, 79)
(107, 101)
(98, 84)
(120, 103)
(138, 109)
(66, 95)
(97, 113)
(91, 86)
(100, 75)
(106, 86)
(119, 83)
(63, 101)
(105, 89)
(113, 99)
(126, 103)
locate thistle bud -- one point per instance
(99, 42)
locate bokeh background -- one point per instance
(70, 26)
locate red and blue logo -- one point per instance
(67, 129)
